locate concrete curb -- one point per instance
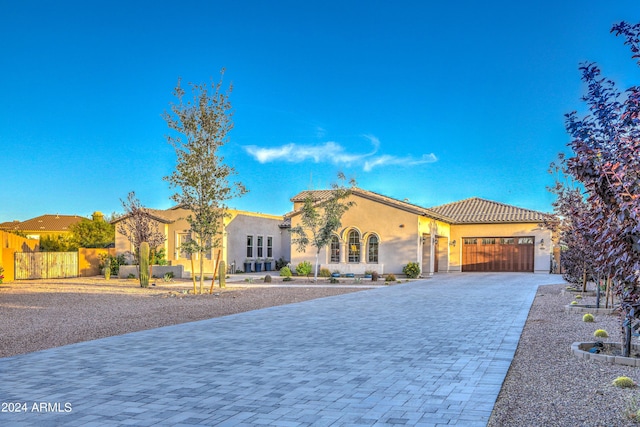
(581, 351)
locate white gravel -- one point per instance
(548, 386)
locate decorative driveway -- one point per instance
(431, 353)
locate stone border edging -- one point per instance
(583, 308)
(580, 350)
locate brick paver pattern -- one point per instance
(427, 353)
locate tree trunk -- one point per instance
(215, 272)
(315, 267)
(626, 350)
(193, 275)
(201, 270)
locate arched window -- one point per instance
(335, 249)
(372, 249)
(354, 246)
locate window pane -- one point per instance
(468, 241)
(525, 241)
(249, 246)
(335, 249)
(260, 239)
(354, 246)
(372, 250)
(269, 247)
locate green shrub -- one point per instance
(285, 272)
(390, 278)
(281, 262)
(287, 279)
(324, 272)
(578, 296)
(587, 318)
(131, 276)
(334, 280)
(574, 302)
(304, 269)
(168, 277)
(600, 333)
(623, 382)
(412, 270)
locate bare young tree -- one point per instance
(201, 177)
(138, 225)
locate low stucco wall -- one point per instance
(157, 271)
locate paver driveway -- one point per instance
(432, 352)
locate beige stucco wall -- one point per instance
(399, 234)
(243, 224)
(541, 255)
(237, 226)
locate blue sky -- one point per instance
(429, 101)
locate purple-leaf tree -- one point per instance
(606, 162)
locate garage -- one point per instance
(498, 254)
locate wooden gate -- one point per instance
(45, 265)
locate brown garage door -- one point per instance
(497, 254)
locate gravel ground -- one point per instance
(41, 314)
(545, 386)
(548, 386)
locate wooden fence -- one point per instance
(45, 265)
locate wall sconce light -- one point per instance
(541, 243)
(401, 226)
(453, 243)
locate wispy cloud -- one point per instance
(392, 160)
(332, 152)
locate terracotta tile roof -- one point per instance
(44, 224)
(320, 195)
(480, 211)
(155, 214)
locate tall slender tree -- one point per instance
(201, 178)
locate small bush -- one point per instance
(324, 272)
(600, 333)
(304, 268)
(578, 296)
(131, 276)
(267, 278)
(623, 382)
(587, 317)
(412, 270)
(375, 276)
(574, 302)
(281, 262)
(334, 280)
(168, 277)
(390, 278)
(287, 279)
(286, 272)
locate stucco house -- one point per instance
(383, 234)
(247, 236)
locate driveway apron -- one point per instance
(431, 352)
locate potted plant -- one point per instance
(367, 274)
(259, 262)
(335, 273)
(267, 264)
(247, 265)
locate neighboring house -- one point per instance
(383, 234)
(44, 225)
(247, 235)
